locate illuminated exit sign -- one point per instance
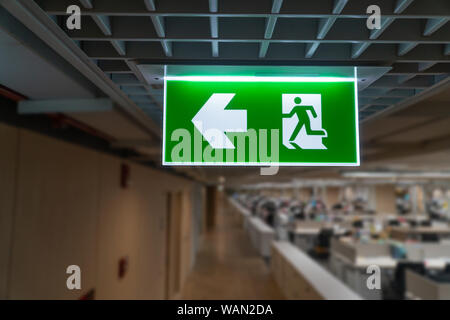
(260, 120)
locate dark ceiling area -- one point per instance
(404, 113)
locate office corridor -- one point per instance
(228, 267)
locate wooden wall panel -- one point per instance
(70, 209)
(133, 225)
(8, 163)
(332, 196)
(174, 246)
(186, 235)
(385, 199)
(55, 219)
(118, 233)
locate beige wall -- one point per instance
(385, 199)
(55, 217)
(70, 209)
(8, 161)
(332, 196)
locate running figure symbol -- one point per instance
(302, 121)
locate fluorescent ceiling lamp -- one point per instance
(257, 79)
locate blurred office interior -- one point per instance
(82, 183)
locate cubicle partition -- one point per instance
(300, 277)
(242, 213)
(422, 287)
(261, 235)
(350, 261)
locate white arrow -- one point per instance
(213, 121)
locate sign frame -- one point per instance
(305, 76)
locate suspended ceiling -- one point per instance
(414, 42)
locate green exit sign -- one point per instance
(260, 120)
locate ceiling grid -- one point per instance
(414, 39)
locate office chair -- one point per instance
(430, 237)
(394, 223)
(442, 276)
(322, 248)
(348, 233)
(412, 223)
(400, 275)
(425, 223)
(358, 224)
(447, 268)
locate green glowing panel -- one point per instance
(260, 121)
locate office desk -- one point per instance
(304, 233)
(436, 263)
(305, 236)
(434, 255)
(423, 287)
(416, 233)
(261, 236)
(349, 260)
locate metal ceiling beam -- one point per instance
(404, 48)
(167, 47)
(215, 49)
(359, 48)
(314, 15)
(433, 25)
(150, 5)
(385, 22)
(213, 5)
(325, 25)
(401, 5)
(214, 26)
(425, 65)
(64, 106)
(87, 4)
(147, 53)
(447, 49)
(311, 48)
(158, 23)
(270, 27)
(120, 47)
(104, 23)
(305, 39)
(421, 9)
(263, 48)
(406, 77)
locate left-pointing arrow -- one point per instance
(213, 121)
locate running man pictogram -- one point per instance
(303, 119)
